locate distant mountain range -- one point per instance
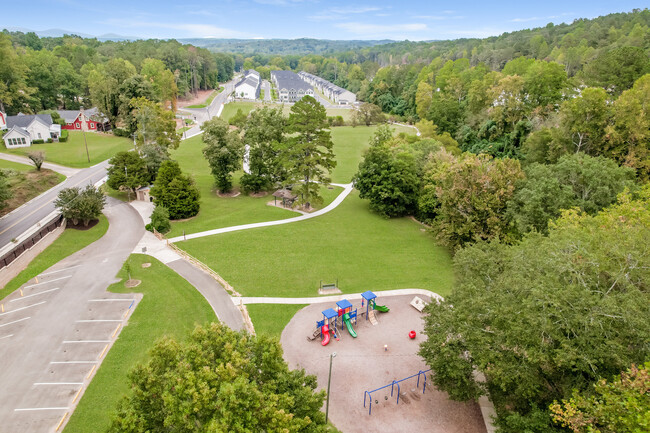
(57, 33)
(279, 47)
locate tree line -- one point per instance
(67, 72)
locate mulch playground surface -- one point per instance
(362, 364)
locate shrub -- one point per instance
(121, 132)
(38, 141)
(64, 136)
(160, 220)
(49, 140)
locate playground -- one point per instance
(377, 356)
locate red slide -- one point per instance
(325, 330)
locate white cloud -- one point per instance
(193, 30)
(379, 29)
(341, 13)
(524, 20)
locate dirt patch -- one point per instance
(230, 194)
(132, 283)
(258, 194)
(361, 364)
(146, 265)
(80, 225)
(193, 99)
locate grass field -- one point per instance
(229, 110)
(26, 183)
(217, 212)
(70, 241)
(73, 152)
(359, 248)
(271, 319)
(170, 306)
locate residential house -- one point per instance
(84, 120)
(249, 86)
(291, 87)
(331, 91)
(24, 129)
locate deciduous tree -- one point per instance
(127, 170)
(223, 150)
(219, 381)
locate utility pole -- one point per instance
(329, 380)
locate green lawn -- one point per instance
(271, 319)
(15, 166)
(218, 212)
(170, 306)
(229, 110)
(359, 248)
(73, 152)
(70, 241)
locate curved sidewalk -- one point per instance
(347, 189)
(239, 300)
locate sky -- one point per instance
(290, 19)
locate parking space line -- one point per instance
(25, 409)
(59, 270)
(15, 321)
(58, 383)
(86, 341)
(98, 320)
(6, 336)
(22, 308)
(34, 294)
(73, 362)
(47, 282)
(110, 300)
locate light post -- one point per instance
(329, 380)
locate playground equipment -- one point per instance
(325, 325)
(347, 315)
(370, 299)
(392, 385)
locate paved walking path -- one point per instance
(347, 189)
(66, 171)
(238, 300)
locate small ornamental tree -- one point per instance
(37, 158)
(219, 381)
(78, 204)
(367, 114)
(175, 191)
(160, 219)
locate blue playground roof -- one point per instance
(330, 313)
(343, 304)
(368, 295)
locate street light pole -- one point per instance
(329, 380)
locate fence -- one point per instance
(32, 240)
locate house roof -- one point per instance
(19, 130)
(284, 193)
(68, 116)
(92, 113)
(24, 120)
(290, 80)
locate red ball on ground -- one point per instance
(412, 335)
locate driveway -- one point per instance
(54, 336)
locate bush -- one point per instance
(38, 141)
(49, 140)
(160, 220)
(251, 183)
(64, 136)
(121, 132)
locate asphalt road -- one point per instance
(54, 337)
(201, 115)
(23, 218)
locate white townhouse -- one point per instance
(249, 86)
(333, 92)
(291, 87)
(23, 129)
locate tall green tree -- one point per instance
(155, 125)
(546, 316)
(76, 204)
(219, 381)
(14, 91)
(388, 177)
(617, 69)
(127, 170)
(175, 191)
(223, 151)
(104, 82)
(578, 180)
(619, 405)
(263, 134)
(308, 153)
